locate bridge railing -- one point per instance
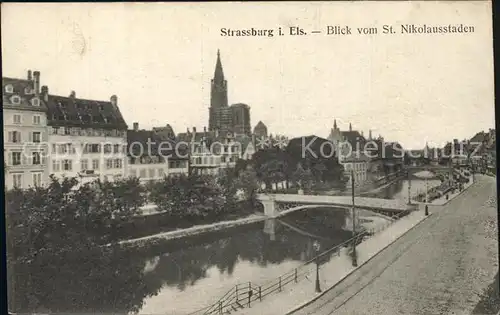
(244, 294)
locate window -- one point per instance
(151, 173)
(9, 88)
(56, 166)
(109, 164)
(118, 163)
(36, 120)
(16, 158)
(14, 136)
(17, 179)
(36, 137)
(17, 119)
(35, 102)
(116, 148)
(95, 164)
(15, 99)
(161, 172)
(142, 173)
(84, 164)
(55, 130)
(67, 131)
(67, 165)
(37, 179)
(35, 157)
(94, 148)
(107, 148)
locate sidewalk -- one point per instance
(442, 200)
(333, 271)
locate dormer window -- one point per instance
(15, 99)
(28, 91)
(35, 102)
(9, 88)
(101, 107)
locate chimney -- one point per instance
(36, 82)
(350, 127)
(29, 75)
(72, 94)
(136, 126)
(114, 100)
(362, 135)
(216, 132)
(194, 129)
(45, 93)
(205, 129)
(370, 134)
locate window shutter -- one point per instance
(24, 159)
(10, 136)
(9, 162)
(30, 137)
(19, 138)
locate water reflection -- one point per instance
(184, 274)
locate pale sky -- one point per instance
(158, 58)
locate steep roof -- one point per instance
(148, 143)
(479, 137)
(354, 138)
(260, 124)
(77, 112)
(25, 90)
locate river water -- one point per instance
(188, 274)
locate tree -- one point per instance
(248, 182)
(49, 226)
(303, 178)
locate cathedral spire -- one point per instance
(335, 124)
(219, 74)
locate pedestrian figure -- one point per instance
(426, 210)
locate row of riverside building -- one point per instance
(66, 136)
(47, 134)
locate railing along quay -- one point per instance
(244, 294)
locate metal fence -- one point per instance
(245, 294)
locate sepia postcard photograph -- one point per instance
(250, 158)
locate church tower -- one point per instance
(219, 112)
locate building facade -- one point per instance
(240, 114)
(151, 157)
(87, 138)
(25, 132)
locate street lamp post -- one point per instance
(409, 188)
(316, 249)
(354, 258)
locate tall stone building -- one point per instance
(240, 114)
(219, 113)
(234, 119)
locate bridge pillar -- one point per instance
(270, 228)
(269, 208)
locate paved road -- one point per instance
(440, 267)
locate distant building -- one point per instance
(260, 130)
(25, 132)
(224, 118)
(151, 157)
(350, 146)
(203, 160)
(87, 138)
(241, 119)
(166, 132)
